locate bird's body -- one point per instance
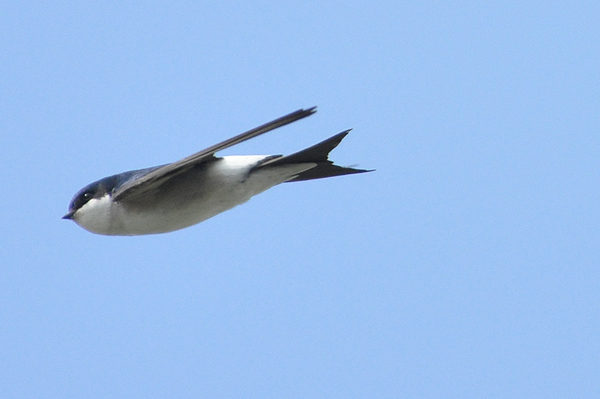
(174, 196)
(190, 198)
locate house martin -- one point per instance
(181, 194)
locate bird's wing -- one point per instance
(158, 176)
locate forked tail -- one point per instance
(318, 154)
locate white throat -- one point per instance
(96, 215)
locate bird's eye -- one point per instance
(87, 195)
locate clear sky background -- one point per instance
(466, 266)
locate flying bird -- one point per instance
(186, 192)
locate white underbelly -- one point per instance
(226, 184)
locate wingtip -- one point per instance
(308, 111)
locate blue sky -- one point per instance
(466, 266)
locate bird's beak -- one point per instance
(69, 216)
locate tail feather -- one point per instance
(318, 154)
(326, 169)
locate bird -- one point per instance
(177, 195)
